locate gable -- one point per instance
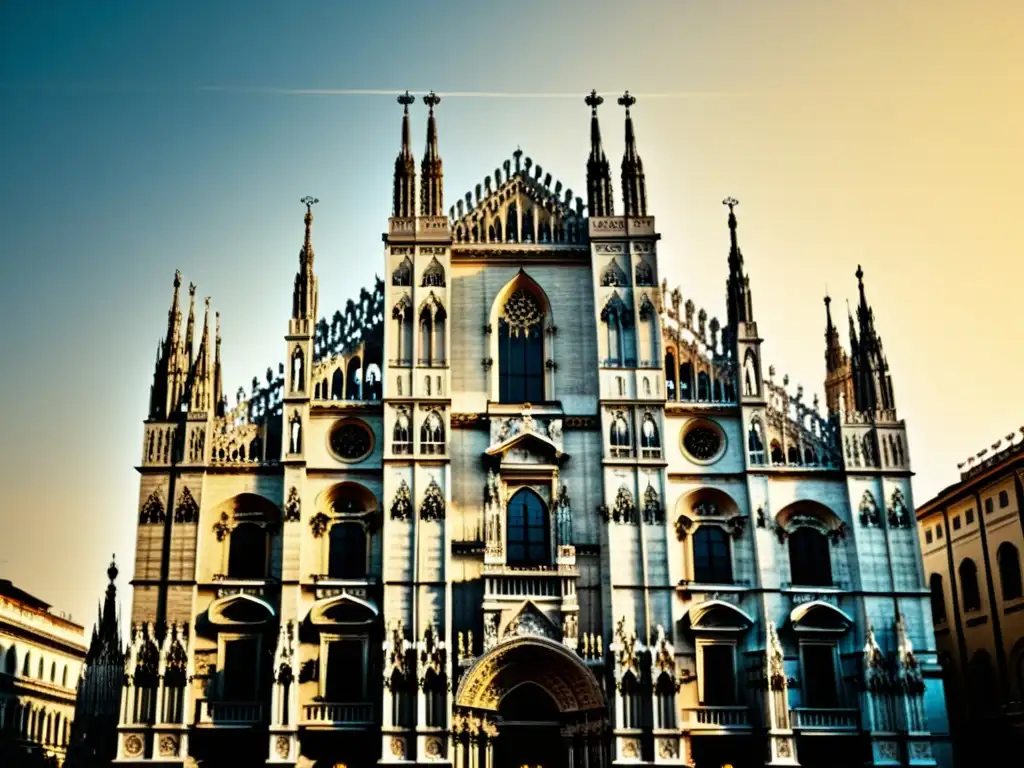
(521, 207)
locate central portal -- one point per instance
(532, 702)
(530, 727)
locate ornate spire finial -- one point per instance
(627, 101)
(732, 202)
(593, 101)
(860, 275)
(405, 100)
(112, 569)
(177, 279)
(309, 202)
(431, 100)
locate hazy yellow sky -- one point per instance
(881, 133)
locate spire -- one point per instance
(218, 382)
(304, 295)
(634, 186)
(834, 354)
(190, 325)
(432, 191)
(872, 383)
(738, 298)
(106, 635)
(405, 167)
(201, 394)
(599, 179)
(170, 372)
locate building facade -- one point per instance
(521, 504)
(41, 658)
(972, 534)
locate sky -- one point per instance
(140, 138)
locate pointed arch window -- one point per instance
(403, 273)
(247, 552)
(750, 384)
(1009, 571)
(703, 387)
(338, 384)
(298, 371)
(619, 438)
(347, 551)
(432, 434)
(613, 276)
(402, 315)
(618, 320)
(778, 457)
(401, 701)
(938, 598)
(671, 376)
(401, 439)
(632, 702)
(433, 275)
(354, 380)
(652, 331)
(712, 556)
(650, 439)
(527, 529)
(755, 442)
(686, 381)
(810, 562)
(521, 350)
(969, 593)
(434, 699)
(665, 691)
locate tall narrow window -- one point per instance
(650, 441)
(632, 704)
(426, 337)
(401, 440)
(810, 561)
(402, 315)
(819, 676)
(434, 699)
(247, 555)
(619, 438)
(528, 534)
(438, 346)
(712, 559)
(719, 675)
(347, 558)
(665, 690)
(671, 377)
(432, 434)
(345, 673)
(686, 381)
(970, 594)
(938, 599)
(241, 660)
(1009, 571)
(521, 350)
(401, 701)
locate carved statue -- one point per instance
(564, 517)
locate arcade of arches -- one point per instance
(530, 701)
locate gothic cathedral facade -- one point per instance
(521, 504)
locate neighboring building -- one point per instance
(972, 536)
(97, 708)
(521, 504)
(41, 657)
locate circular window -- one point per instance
(703, 442)
(351, 440)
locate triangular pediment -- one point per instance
(527, 447)
(519, 204)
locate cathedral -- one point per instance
(521, 504)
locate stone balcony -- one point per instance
(230, 714)
(717, 718)
(341, 715)
(554, 583)
(825, 720)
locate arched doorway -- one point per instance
(530, 701)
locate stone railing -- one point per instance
(229, 713)
(718, 717)
(815, 719)
(335, 714)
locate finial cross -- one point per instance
(431, 100)
(406, 99)
(309, 202)
(594, 101)
(627, 101)
(732, 202)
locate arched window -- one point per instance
(298, 371)
(671, 376)
(970, 595)
(401, 701)
(11, 662)
(434, 699)
(437, 348)
(938, 599)
(810, 561)
(25, 668)
(521, 350)
(619, 438)
(703, 386)
(347, 558)
(401, 440)
(1009, 571)
(432, 434)
(426, 336)
(712, 558)
(777, 455)
(686, 381)
(527, 529)
(618, 318)
(650, 440)
(42, 670)
(338, 384)
(402, 315)
(53, 672)
(433, 275)
(354, 380)
(749, 374)
(755, 442)
(632, 704)
(247, 556)
(665, 690)
(794, 455)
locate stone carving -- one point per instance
(398, 747)
(653, 512)
(168, 746)
(284, 654)
(563, 517)
(222, 527)
(570, 630)
(283, 747)
(555, 430)
(494, 513)
(318, 524)
(776, 661)
(626, 652)
(868, 510)
(683, 526)
(624, 509)
(667, 749)
(133, 745)
(631, 749)
(530, 621)
(875, 674)
(521, 312)
(910, 670)
(898, 515)
(491, 623)
(664, 653)
(401, 505)
(736, 526)
(293, 506)
(187, 511)
(152, 510)
(433, 749)
(432, 506)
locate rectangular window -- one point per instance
(969, 516)
(956, 523)
(345, 672)
(938, 531)
(241, 662)
(928, 536)
(1004, 499)
(819, 673)
(719, 675)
